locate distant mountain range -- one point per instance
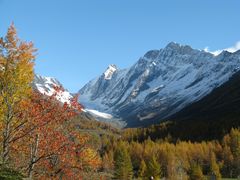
(160, 84)
(170, 83)
(46, 86)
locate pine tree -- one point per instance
(235, 148)
(227, 169)
(196, 172)
(142, 169)
(123, 165)
(172, 173)
(214, 168)
(108, 163)
(154, 168)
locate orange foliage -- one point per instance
(51, 147)
(37, 138)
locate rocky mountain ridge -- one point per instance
(159, 84)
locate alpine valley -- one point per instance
(119, 90)
(179, 108)
(158, 86)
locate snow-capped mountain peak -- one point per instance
(110, 71)
(160, 83)
(47, 86)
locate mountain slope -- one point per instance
(222, 103)
(207, 119)
(161, 83)
(46, 86)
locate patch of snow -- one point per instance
(232, 49)
(45, 85)
(157, 89)
(149, 116)
(99, 114)
(109, 72)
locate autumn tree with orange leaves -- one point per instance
(37, 137)
(50, 147)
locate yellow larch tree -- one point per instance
(16, 75)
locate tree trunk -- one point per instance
(6, 135)
(5, 145)
(34, 151)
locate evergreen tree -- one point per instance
(172, 173)
(214, 168)
(108, 163)
(235, 148)
(227, 157)
(154, 168)
(196, 172)
(142, 169)
(10, 174)
(123, 165)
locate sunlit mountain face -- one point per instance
(159, 84)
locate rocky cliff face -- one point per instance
(159, 84)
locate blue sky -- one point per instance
(77, 39)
